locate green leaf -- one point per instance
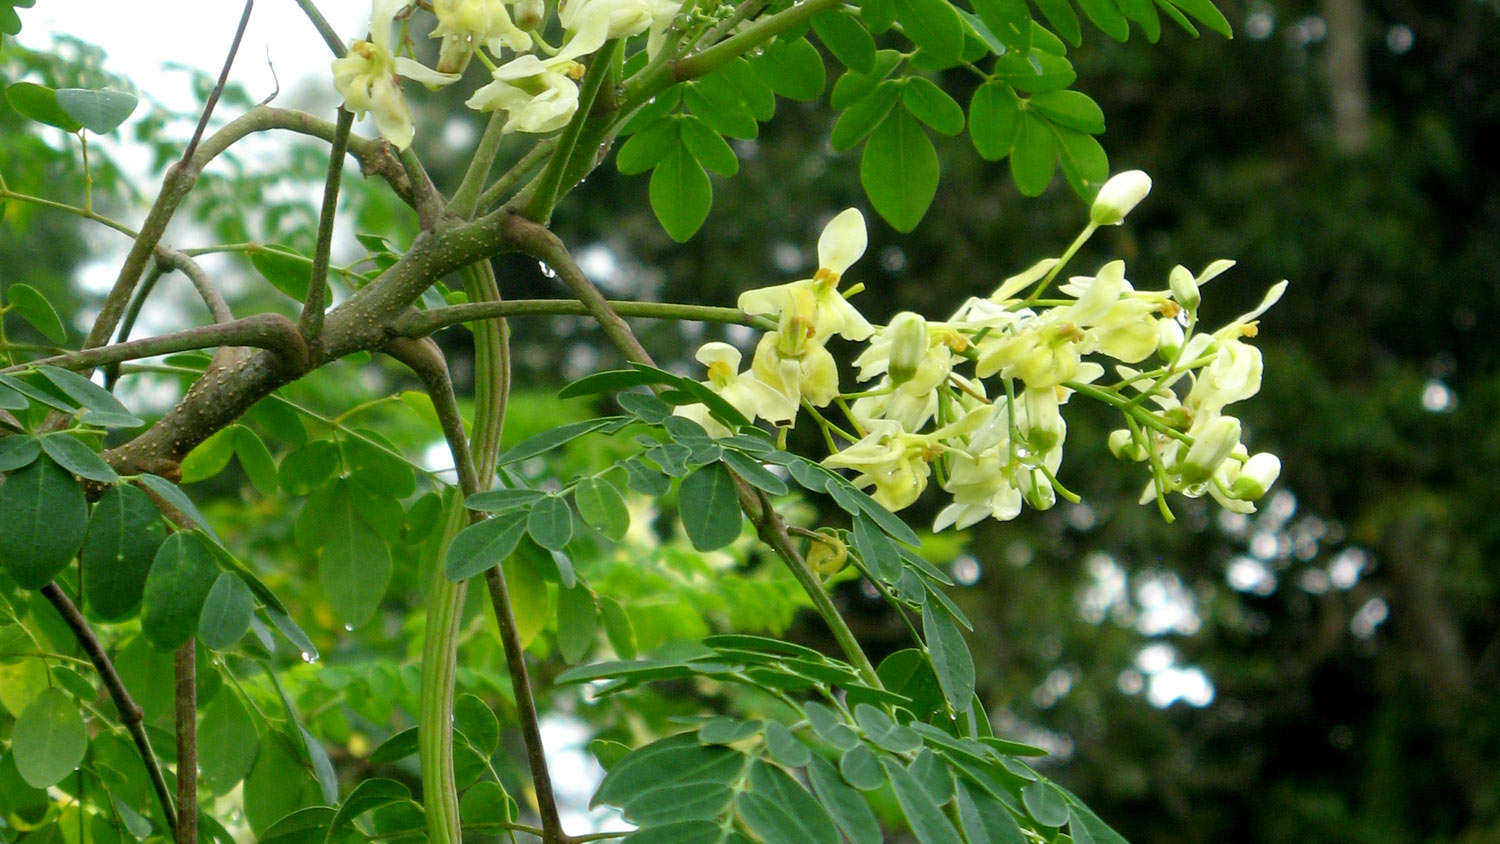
(932, 25)
(395, 748)
(680, 194)
(1009, 20)
(1108, 17)
(18, 450)
(754, 473)
(293, 633)
(82, 390)
(602, 507)
(39, 103)
(881, 729)
(226, 612)
(1072, 109)
(793, 68)
(876, 549)
(899, 169)
(617, 627)
(48, 739)
(1206, 13)
(927, 821)
(286, 269)
(1084, 163)
(736, 87)
(474, 718)
(501, 500)
(175, 590)
(864, 115)
(710, 148)
(485, 803)
(483, 545)
(370, 794)
(256, 460)
(1060, 15)
(209, 457)
(845, 805)
(951, 660)
(307, 825)
(355, 566)
(100, 112)
(829, 727)
(679, 759)
(677, 803)
(41, 396)
(878, 15)
(613, 381)
(1035, 72)
(550, 522)
(860, 768)
(1033, 157)
(226, 743)
(30, 305)
(43, 519)
(577, 622)
(932, 105)
(932, 775)
(645, 479)
(1046, 803)
(852, 86)
(550, 439)
(784, 747)
(1143, 12)
(847, 39)
(275, 784)
(172, 495)
(780, 811)
(72, 454)
(682, 832)
(652, 111)
(726, 118)
(709, 508)
(375, 463)
(1082, 818)
(647, 147)
(9, 398)
(986, 820)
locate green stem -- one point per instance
(311, 321)
(466, 198)
(548, 186)
(518, 171)
(1078, 242)
(422, 323)
(85, 213)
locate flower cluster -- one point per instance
(537, 91)
(975, 401)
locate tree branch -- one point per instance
(185, 698)
(310, 324)
(539, 208)
(466, 198)
(131, 715)
(272, 332)
(518, 171)
(218, 309)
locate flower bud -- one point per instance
(1256, 476)
(1184, 287)
(1215, 443)
(1168, 339)
(1124, 446)
(1120, 194)
(529, 13)
(827, 555)
(908, 332)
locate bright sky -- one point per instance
(140, 36)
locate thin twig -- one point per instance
(131, 714)
(550, 182)
(518, 171)
(466, 198)
(185, 697)
(213, 97)
(330, 35)
(132, 313)
(218, 309)
(311, 321)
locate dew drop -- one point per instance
(348, 628)
(546, 270)
(308, 658)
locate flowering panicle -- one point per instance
(993, 440)
(538, 93)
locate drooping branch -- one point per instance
(772, 530)
(132, 717)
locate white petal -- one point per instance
(1020, 281)
(424, 74)
(843, 241)
(382, 18)
(716, 352)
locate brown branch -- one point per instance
(423, 323)
(218, 309)
(131, 714)
(311, 321)
(185, 697)
(272, 332)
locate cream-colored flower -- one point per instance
(465, 25)
(540, 95)
(744, 392)
(841, 244)
(367, 76)
(892, 461)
